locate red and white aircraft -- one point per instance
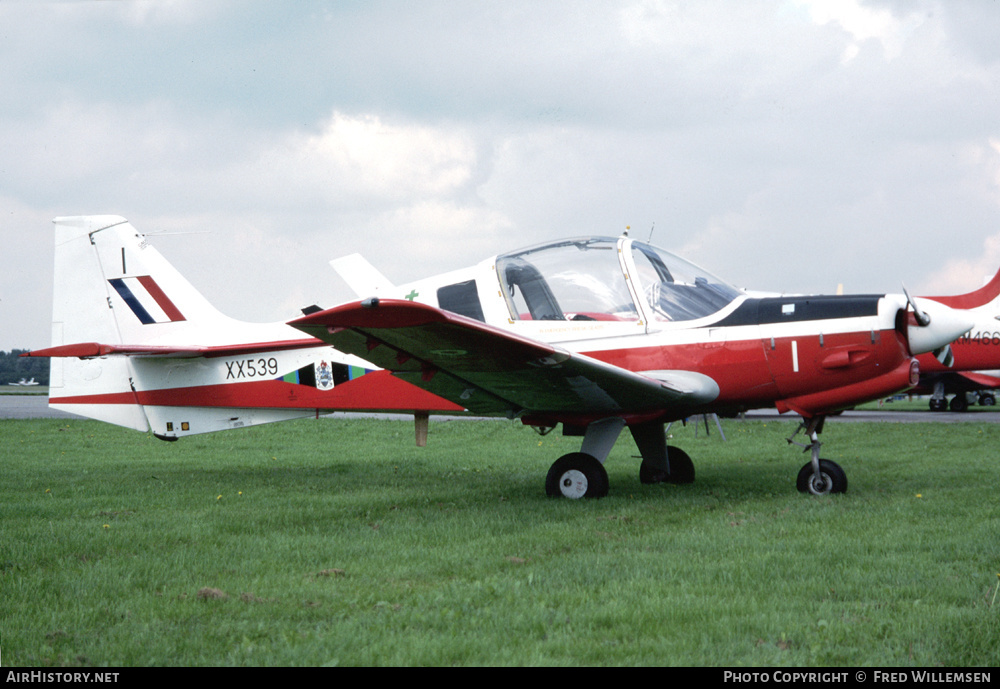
(975, 356)
(600, 334)
(597, 334)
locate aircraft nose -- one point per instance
(945, 325)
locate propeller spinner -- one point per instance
(936, 327)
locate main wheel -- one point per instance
(959, 403)
(681, 466)
(832, 479)
(681, 469)
(648, 473)
(577, 475)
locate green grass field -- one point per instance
(338, 542)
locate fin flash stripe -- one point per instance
(147, 300)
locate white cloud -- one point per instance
(160, 12)
(960, 275)
(367, 156)
(430, 237)
(865, 22)
(964, 275)
(995, 147)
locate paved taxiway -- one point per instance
(30, 407)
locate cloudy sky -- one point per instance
(788, 145)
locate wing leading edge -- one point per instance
(492, 371)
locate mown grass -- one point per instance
(340, 542)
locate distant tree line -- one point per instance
(13, 368)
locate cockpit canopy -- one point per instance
(607, 279)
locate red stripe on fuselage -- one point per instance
(376, 391)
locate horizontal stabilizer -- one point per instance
(91, 350)
(361, 276)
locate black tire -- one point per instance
(681, 466)
(959, 403)
(576, 475)
(650, 474)
(987, 399)
(938, 405)
(681, 469)
(832, 479)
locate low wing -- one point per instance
(492, 371)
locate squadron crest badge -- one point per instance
(324, 376)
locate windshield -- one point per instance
(579, 279)
(676, 290)
(584, 279)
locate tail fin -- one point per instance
(112, 288)
(987, 295)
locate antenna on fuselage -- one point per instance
(650, 240)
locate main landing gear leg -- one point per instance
(938, 400)
(660, 464)
(582, 474)
(818, 476)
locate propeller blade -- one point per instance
(923, 319)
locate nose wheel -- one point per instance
(818, 476)
(829, 479)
